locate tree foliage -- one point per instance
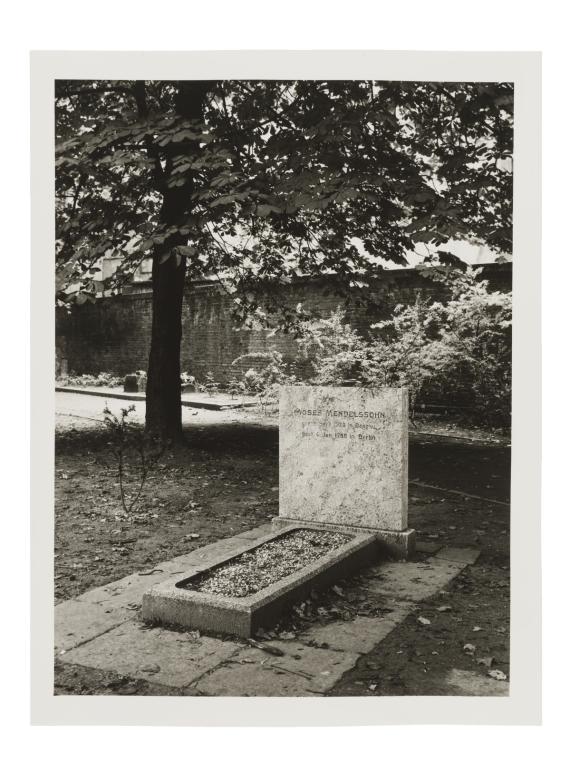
(279, 178)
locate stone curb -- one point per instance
(140, 397)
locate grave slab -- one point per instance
(413, 581)
(302, 671)
(76, 622)
(361, 634)
(462, 555)
(157, 655)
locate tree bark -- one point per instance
(163, 392)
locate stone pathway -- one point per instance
(101, 630)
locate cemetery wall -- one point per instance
(113, 334)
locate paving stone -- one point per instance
(463, 555)
(157, 655)
(428, 547)
(121, 593)
(76, 622)
(302, 671)
(471, 683)
(412, 581)
(361, 634)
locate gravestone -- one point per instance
(131, 384)
(343, 460)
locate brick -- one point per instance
(113, 334)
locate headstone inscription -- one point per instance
(343, 459)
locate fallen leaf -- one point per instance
(469, 649)
(488, 662)
(477, 629)
(498, 675)
(443, 608)
(424, 621)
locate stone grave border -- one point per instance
(170, 603)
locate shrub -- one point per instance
(272, 371)
(128, 439)
(473, 349)
(102, 379)
(458, 348)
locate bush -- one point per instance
(460, 349)
(473, 350)
(103, 379)
(272, 371)
(129, 440)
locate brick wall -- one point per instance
(113, 334)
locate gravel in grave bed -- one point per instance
(259, 568)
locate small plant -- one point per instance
(236, 388)
(187, 379)
(210, 386)
(126, 439)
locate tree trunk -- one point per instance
(163, 400)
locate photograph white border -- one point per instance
(523, 706)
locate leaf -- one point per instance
(424, 621)
(469, 649)
(186, 250)
(497, 674)
(263, 210)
